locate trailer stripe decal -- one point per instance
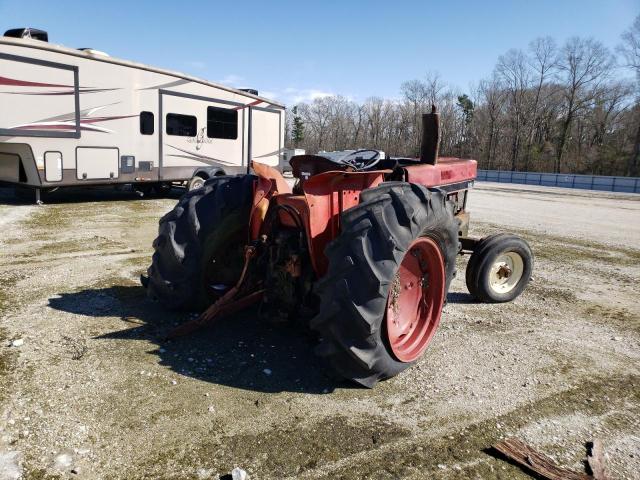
(196, 156)
(166, 85)
(248, 105)
(24, 83)
(70, 92)
(276, 152)
(85, 124)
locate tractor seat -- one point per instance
(306, 166)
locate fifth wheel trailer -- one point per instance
(73, 117)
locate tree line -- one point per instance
(553, 108)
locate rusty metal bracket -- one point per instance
(468, 244)
(224, 305)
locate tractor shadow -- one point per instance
(240, 351)
(460, 298)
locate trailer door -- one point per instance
(267, 135)
(198, 132)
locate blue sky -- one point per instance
(295, 51)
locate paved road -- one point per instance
(604, 217)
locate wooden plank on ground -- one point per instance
(595, 459)
(530, 459)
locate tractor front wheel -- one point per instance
(388, 276)
(499, 268)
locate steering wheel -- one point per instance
(356, 159)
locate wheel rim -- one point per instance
(415, 301)
(197, 184)
(506, 272)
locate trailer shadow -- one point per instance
(70, 195)
(240, 351)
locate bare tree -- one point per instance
(543, 110)
(513, 70)
(543, 60)
(630, 50)
(584, 65)
(414, 93)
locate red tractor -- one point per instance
(362, 249)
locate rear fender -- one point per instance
(269, 184)
(328, 195)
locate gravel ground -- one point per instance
(88, 390)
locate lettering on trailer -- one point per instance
(200, 139)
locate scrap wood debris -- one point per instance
(534, 461)
(595, 459)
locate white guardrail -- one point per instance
(565, 180)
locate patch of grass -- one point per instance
(4, 357)
(545, 292)
(139, 262)
(467, 447)
(51, 216)
(40, 474)
(7, 362)
(7, 298)
(620, 317)
(380, 449)
(282, 451)
(78, 245)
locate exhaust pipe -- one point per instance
(430, 137)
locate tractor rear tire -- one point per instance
(499, 268)
(364, 261)
(207, 223)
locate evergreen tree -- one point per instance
(297, 133)
(466, 105)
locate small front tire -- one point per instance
(499, 268)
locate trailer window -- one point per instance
(146, 123)
(222, 123)
(181, 125)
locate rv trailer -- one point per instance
(79, 117)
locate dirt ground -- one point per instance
(89, 390)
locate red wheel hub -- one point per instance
(415, 301)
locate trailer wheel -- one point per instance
(199, 244)
(389, 273)
(499, 268)
(195, 182)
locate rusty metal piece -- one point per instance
(504, 271)
(468, 244)
(463, 218)
(293, 266)
(270, 173)
(224, 304)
